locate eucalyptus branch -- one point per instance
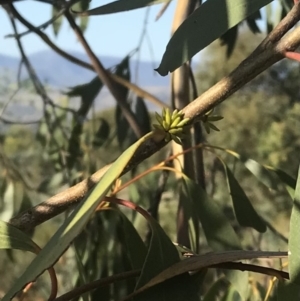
(270, 51)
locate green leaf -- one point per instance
(123, 128)
(204, 261)
(200, 29)
(267, 175)
(287, 291)
(142, 115)
(269, 17)
(136, 248)
(218, 231)
(161, 254)
(251, 21)
(215, 290)
(88, 93)
(74, 223)
(244, 211)
(290, 182)
(239, 281)
(50, 185)
(102, 133)
(7, 202)
(84, 21)
(229, 39)
(121, 6)
(58, 22)
(231, 295)
(294, 237)
(13, 238)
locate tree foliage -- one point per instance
(200, 219)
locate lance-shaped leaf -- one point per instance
(161, 254)
(13, 238)
(102, 133)
(212, 19)
(75, 222)
(218, 231)
(57, 22)
(244, 211)
(121, 6)
(294, 237)
(199, 262)
(287, 291)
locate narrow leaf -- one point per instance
(74, 223)
(231, 295)
(121, 6)
(136, 248)
(58, 22)
(13, 238)
(294, 237)
(200, 29)
(244, 211)
(142, 115)
(199, 262)
(218, 231)
(102, 133)
(287, 291)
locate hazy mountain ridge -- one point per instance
(61, 73)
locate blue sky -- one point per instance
(114, 35)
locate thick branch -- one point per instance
(270, 51)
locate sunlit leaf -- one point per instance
(58, 22)
(74, 223)
(294, 237)
(231, 295)
(200, 29)
(244, 211)
(13, 238)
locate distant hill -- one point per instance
(59, 72)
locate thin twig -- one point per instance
(106, 78)
(162, 10)
(43, 26)
(136, 89)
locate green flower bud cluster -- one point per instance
(207, 120)
(171, 125)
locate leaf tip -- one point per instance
(161, 72)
